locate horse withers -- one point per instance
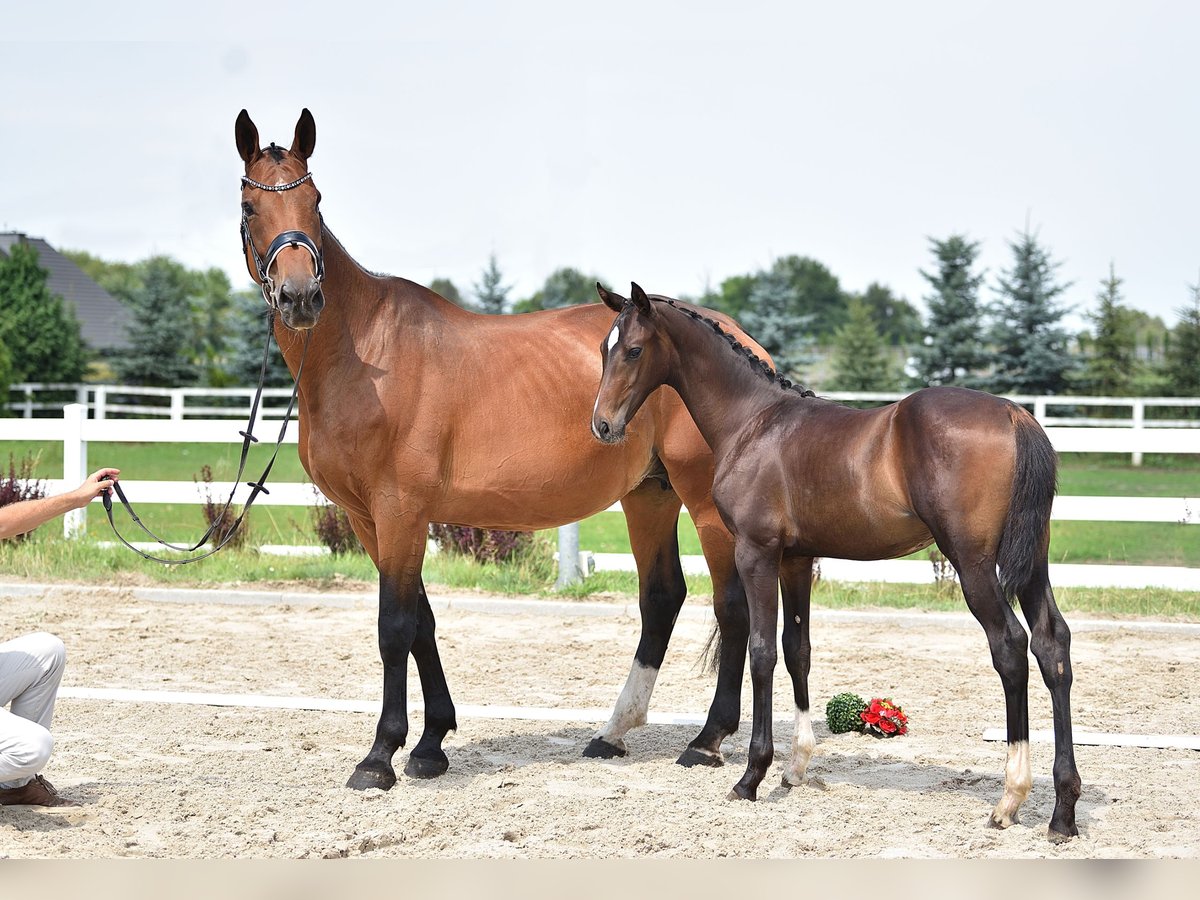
(799, 477)
(413, 410)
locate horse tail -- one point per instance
(710, 656)
(1026, 536)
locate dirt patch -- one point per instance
(198, 781)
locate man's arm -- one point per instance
(22, 517)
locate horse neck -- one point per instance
(720, 388)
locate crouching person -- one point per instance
(31, 667)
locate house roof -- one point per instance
(102, 316)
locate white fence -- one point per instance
(75, 432)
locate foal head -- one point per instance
(635, 357)
(281, 225)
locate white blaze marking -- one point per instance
(632, 705)
(613, 337)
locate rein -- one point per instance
(257, 488)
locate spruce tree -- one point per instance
(1030, 345)
(40, 331)
(1111, 365)
(860, 355)
(491, 293)
(248, 333)
(953, 351)
(448, 289)
(5, 378)
(161, 329)
(771, 318)
(1183, 352)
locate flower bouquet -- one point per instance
(879, 717)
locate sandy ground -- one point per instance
(164, 780)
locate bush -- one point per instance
(842, 713)
(222, 520)
(19, 484)
(481, 544)
(334, 530)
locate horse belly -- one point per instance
(860, 534)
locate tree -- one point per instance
(563, 287)
(860, 356)
(491, 293)
(1110, 366)
(898, 321)
(770, 317)
(5, 378)
(446, 288)
(1183, 352)
(38, 328)
(248, 333)
(210, 296)
(818, 295)
(161, 329)
(1030, 346)
(952, 352)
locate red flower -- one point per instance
(888, 726)
(883, 718)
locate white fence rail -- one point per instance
(75, 432)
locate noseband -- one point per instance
(285, 239)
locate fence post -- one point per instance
(101, 407)
(74, 464)
(29, 401)
(568, 556)
(1039, 410)
(1139, 419)
(177, 405)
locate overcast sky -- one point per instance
(676, 145)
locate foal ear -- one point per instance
(615, 302)
(639, 298)
(247, 137)
(306, 135)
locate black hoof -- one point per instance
(430, 766)
(364, 779)
(741, 792)
(602, 749)
(695, 757)
(1061, 837)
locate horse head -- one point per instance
(281, 222)
(634, 358)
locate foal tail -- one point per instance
(1026, 533)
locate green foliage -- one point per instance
(38, 329)
(5, 378)
(1030, 345)
(861, 361)
(842, 713)
(773, 318)
(247, 335)
(162, 329)
(563, 287)
(1111, 363)
(1183, 352)
(952, 351)
(490, 292)
(897, 320)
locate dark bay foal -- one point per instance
(798, 477)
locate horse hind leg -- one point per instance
(796, 580)
(427, 759)
(652, 516)
(1051, 646)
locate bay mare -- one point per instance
(799, 477)
(413, 410)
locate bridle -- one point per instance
(284, 239)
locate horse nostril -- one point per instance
(604, 429)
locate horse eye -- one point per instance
(634, 353)
(248, 208)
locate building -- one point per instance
(103, 318)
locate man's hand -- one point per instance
(96, 484)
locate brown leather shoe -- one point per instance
(38, 792)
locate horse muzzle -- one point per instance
(300, 303)
(607, 432)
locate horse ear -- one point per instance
(306, 135)
(615, 302)
(247, 137)
(639, 298)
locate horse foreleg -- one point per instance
(427, 759)
(759, 569)
(795, 577)
(652, 516)
(1051, 645)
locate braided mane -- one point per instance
(760, 365)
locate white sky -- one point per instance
(672, 144)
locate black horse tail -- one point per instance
(1026, 536)
(710, 656)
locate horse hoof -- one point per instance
(1002, 823)
(1061, 837)
(742, 793)
(426, 766)
(364, 779)
(693, 756)
(599, 748)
